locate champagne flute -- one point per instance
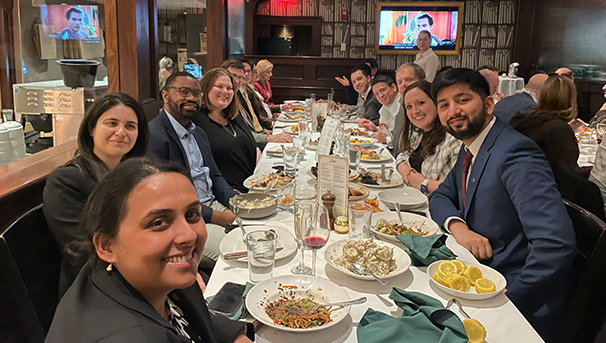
(303, 220)
(317, 234)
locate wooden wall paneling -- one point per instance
(7, 53)
(216, 22)
(111, 46)
(524, 48)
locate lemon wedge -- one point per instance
(475, 330)
(446, 267)
(460, 266)
(473, 273)
(459, 283)
(485, 286)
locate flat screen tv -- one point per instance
(71, 21)
(399, 23)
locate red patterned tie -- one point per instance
(466, 165)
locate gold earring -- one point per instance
(109, 268)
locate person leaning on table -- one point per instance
(506, 210)
(144, 237)
(113, 130)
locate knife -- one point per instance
(239, 254)
(230, 227)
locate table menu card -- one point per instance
(328, 132)
(333, 172)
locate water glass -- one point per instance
(289, 157)
(354, 158)
(342, 139)
(261, 247)
(286, 194)
(312, 96)
(342, 110)
(360, 217)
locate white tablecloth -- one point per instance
(502, 320)
(509, 86)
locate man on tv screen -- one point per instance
(425, 23)
(74, 25)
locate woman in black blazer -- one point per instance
(144, 237)
(114, 129)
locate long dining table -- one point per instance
(502, 320)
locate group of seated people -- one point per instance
(142, 205)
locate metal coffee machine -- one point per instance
(53, 109)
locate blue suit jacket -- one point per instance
(508, 107)
(513, 201)
(164, 144)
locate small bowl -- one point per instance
(253, 213)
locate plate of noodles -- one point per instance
(269, 300)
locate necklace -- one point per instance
(233, 133)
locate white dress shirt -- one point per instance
(428, 60)
(388, 113)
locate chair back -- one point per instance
(30, 263)
(579, 190)
(583, 315)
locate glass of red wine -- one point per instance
(317, 235)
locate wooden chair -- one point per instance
(584, 313)
(30, 263)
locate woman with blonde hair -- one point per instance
(232, 144)
(165, 67)
(264, 73)
(547, 123)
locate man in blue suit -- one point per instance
(501, 202)
(174, 137)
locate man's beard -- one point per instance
(474, 126)
(178, 110)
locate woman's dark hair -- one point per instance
(107, 204)
(430, 139)
(558, 97)
(85, 157)
(455, 76)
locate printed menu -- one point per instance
(333, 172)
(328, 132)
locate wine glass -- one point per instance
(303, 220)
(317, 234)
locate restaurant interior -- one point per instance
(50, 79)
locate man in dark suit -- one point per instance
(174, 137)
(500, 201)
(521, 102)
(368, 105)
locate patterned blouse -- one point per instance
(438, 165)
(176, 319)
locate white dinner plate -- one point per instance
(284, 118)
(396, 181)
(289, 130)
(323, 291)
(410, 219)
(363, 138)
(335, 250)
(295, 102)
(487, 272)
(232, 242)
(385, 156)
(249, 181)
(408, 198)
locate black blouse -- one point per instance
(235, 155)
(416, 159)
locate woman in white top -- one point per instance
(426, 58)
(427, 151)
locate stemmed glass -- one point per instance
(317, 234)
(304, 212)
(600, 129)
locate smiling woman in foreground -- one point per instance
(144, 237)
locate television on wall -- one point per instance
(66, 22)
(399, 24)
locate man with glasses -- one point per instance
(262, 137)
(174, 137)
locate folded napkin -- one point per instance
(426, 250)
(241, 312)
(424, 320)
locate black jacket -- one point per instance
(371, 108)
(103, 307)
(164, 144)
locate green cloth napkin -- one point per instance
(241, 312)
(424, 320)
(426, 250)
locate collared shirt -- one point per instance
(428, 60)
(200, 174)
(361, 101)
(388, 113)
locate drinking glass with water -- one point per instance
(261, 246)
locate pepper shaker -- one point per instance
(328, 200)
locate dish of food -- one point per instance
(358, 131)
(232, 242)
(372, 179)
(261, 181)
(375, 204)
(253, 205)
(387, 226)
(312, 145)
(285, 311)
(266, 302)
(289, 117)
(374, 156)
(292, 130)
(363, 142)
(314, 172)
(466, 280)
(384, 259)
(355, 192)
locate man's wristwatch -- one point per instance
(423, 187)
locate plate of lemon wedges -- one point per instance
(466, 280)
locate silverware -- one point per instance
(383, 180)
(230, 227)
(455, 301)
(397, 206)
(239, 222)
(238, 254)
(309, 311)
(268, 189)
(390, 175)
(361, 270)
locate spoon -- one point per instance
(455, 301)
(309, 311)
(239, 222)
(361, 270)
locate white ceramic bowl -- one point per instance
(410, 220)
(6, 156)
(15, 130)
(4, 137)
(5, 146)
(487, 272)
(407, 197)
(19, 152)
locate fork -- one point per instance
(308, 311)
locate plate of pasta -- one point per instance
(271, 301)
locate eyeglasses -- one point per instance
(240, 78)
(185, 92)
